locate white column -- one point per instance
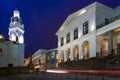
(118, 38)
(59, 41)
(110, 42)
(65, 56)
(59, 55)
(21, 39)
(71, 54)
(80, 52)
(64, 39)
(98, 46)
(71, 35)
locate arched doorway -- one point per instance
(86, 50)
(104, 47)
(68, 54)
(76, 52)
(117, 41)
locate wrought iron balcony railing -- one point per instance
(109, 21)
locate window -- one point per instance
(85, 28)
(16, 38)
(62, 41)
(68, 38)
(75, 33)
(0, 52)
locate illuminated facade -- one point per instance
(11, 54)
(51, 59)
(90, 32)
(27, 61)
(43, 59)
(12, 50)
(38, 59)
(16, 28)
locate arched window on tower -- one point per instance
(16, 38)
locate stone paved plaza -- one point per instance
(23, 77)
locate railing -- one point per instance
(109, 21)
(103, 53)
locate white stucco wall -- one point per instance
(12, 53)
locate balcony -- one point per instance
(108, 22)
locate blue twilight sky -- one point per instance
(42, 19)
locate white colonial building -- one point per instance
(90, 32)
(12, 50)
(39, 59)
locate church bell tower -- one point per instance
(16, 28)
